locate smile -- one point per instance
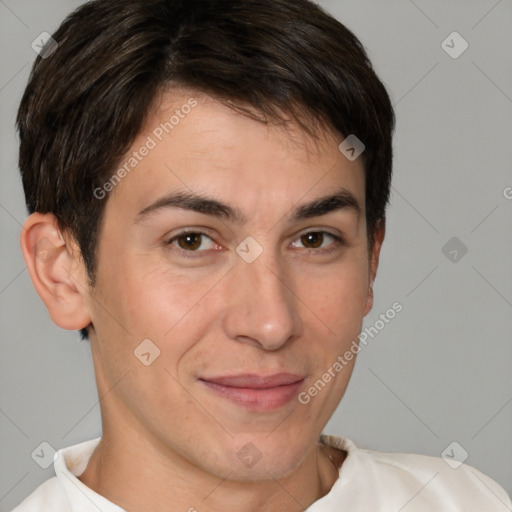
(254, 392)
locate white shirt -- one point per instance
(369, 481)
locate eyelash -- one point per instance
(337, 243)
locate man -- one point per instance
(207, 183)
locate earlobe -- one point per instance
(378, 239)
(56, 270)
(369, 300)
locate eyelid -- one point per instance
(185, 231)
(319, 230)
(339, 240)
(190, 254)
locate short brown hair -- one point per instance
(86, 102)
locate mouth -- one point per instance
(257, 393)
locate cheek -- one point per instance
(146, 297)
(168, 308)
(339, 297)
(340, 302)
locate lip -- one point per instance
(258, 393)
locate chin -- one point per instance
(258, 458)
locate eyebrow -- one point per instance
(342, 199)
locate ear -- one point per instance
(378, 238)
(57, 271)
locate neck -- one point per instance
(140, 476)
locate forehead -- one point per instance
(193, 143)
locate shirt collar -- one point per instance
(69, 464)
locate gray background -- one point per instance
(440, 371)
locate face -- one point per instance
(238, 252)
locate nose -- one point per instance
(261, 306)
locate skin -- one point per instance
(170, 442)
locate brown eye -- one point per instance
(319, 242)
(312, 240)
(192, 243)
(189, 241)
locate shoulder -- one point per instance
(463, 483)
(48, 496)
(421, 481)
